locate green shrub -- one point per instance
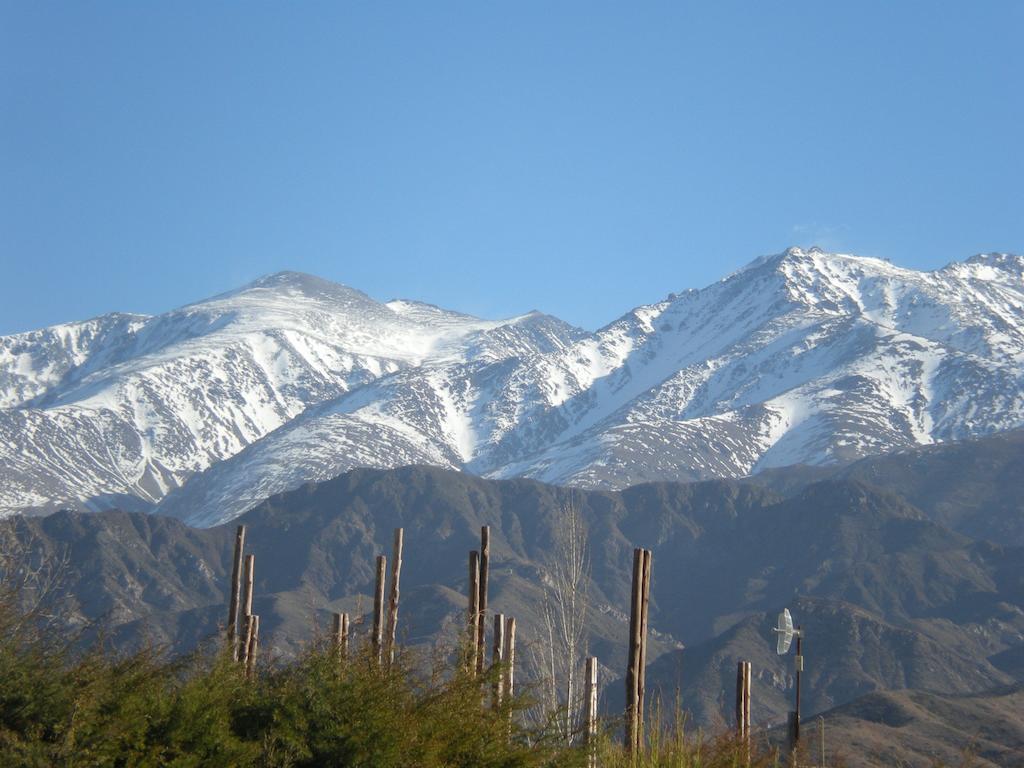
(58, 708)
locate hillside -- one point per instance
(917, 729)
(890, 600)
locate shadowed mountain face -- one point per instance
(975, 487)
(889, 599)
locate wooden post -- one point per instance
(740, 724)
(497, 657)
(396, 574)
(743, 707)
(378, 609)
(339, 635)
(472, 611)
(821, 740)
(510, 657)
(254, 641)
(633, 664)
(236, 585)
(250, 576)
(637, 668)
(590, 711)
(642, 670)
(245, 641)
(746, 713)
(485, 556)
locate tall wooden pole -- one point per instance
(821, 740)
(740, 724)
(497, 658)
(642, 670)
(743, 707)
(633, 663)
(250, 576)
(636, 669)
(510, 657)
(378, 608)
(746, 712)
(485, 556)
(590, 713)
(396, 574)
(236, 585)
(473, 611)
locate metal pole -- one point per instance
(799, 671)
(794, 717)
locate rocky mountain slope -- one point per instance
(918, 729)
(800, 358)
(973, 486)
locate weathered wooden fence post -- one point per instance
(336, 633)
(590, 711)
(510, 657)
(743, 708)
(642, 679)
(378, 609)
(339, 635)
(497, 659)
(250, 576)
(236, 585)
(473, 611)
(746, 707)
(636, 668)
(633, 663)
(396, 575)
(252, 646)
(485, 556)
(245, 642)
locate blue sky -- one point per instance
(577, 158)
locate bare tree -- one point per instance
(31, 580)
(559, 651)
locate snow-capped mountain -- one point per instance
(802, 357)
(121, 409)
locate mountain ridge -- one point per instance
(802, 357)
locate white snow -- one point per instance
(801, 357)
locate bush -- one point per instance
(59, 708)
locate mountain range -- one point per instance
(802, 358)
(911, 622)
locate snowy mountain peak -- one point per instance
(998, 267)
(800, 357)
(292, 284)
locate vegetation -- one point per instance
(99, 709)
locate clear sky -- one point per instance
(577, 158)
